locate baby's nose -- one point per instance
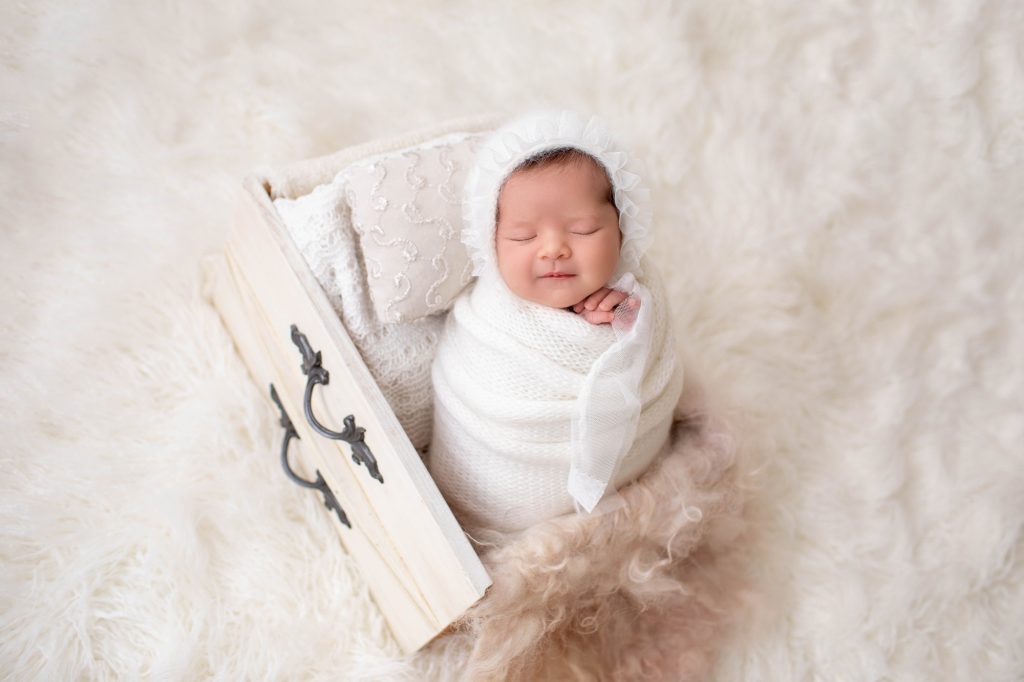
(554, 247)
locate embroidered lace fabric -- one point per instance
(406, 209)
(397, 355)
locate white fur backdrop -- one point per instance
(839, 215)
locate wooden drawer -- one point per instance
(419, 565)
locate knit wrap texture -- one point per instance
(507, 378)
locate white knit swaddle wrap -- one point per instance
(536, 409)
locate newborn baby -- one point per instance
(556, 376)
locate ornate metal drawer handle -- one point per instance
(353, 435)
(330, 501)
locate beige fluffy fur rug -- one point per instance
(837, 192)
(644, 592)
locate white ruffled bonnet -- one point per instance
(528, 136)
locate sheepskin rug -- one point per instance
(839, 208)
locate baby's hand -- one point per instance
(597, 308)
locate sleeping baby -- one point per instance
(556, 377)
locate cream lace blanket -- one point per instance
(397, 355)
(522, 425)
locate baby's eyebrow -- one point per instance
(589, 218)
(518, 223)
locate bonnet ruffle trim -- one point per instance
(530, 135)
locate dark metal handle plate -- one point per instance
(330, 501)
(352, 434)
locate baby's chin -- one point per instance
(555, 299)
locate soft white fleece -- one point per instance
(844, 271)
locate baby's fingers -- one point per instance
(591, 302)
(597, 316)
(612, 299)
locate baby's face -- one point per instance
(557, 237)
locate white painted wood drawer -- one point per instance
(418, 563)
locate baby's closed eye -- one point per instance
(519, 236)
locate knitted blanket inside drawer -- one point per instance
(537, 410)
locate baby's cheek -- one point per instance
(606, 256)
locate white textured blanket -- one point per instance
(520, 412)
